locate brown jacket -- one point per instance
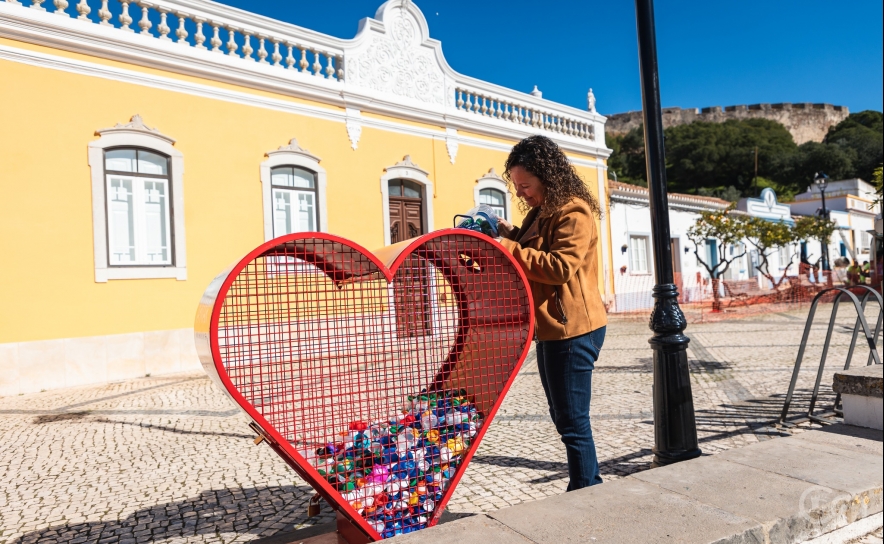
(559, 256)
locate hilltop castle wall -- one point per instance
(806, 122)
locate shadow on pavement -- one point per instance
(260, 511)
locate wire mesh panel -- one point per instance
(374, 375)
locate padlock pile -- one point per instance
(395, 472)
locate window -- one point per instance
(638, 254)
(865, 240)
(405, 188)
(295, 199)
(137, 204)
(293, 187)
(138, 227)
(494, 198)
(785, 256)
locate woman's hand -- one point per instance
(504, 227)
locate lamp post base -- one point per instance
(675, 427)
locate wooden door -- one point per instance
(412, 286)
(406, 219)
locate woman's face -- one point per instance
(528, 186)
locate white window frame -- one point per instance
(136, 134)
(406, 169)
(292, 155)
(491, 180)
(647, 242)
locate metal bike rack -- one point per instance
(874, 358)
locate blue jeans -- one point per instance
(565, 368)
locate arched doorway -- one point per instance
(412, 291)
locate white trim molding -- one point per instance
(406, 169)
(604, 235)
(354, 126)
(292, 155)
(451, 143)
(491, 180)
(136, 134)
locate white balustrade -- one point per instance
(286, 52)
(485, 105)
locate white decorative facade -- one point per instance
(849, 203)
(633, 261)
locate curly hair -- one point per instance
(542, 157)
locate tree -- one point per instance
(861, 136)
(811, 157)
(628, 156)
(768, 237)
(719, 155)
(727, 229)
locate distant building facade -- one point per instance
(849, 203)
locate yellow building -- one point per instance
(146, 146)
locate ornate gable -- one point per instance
(395, 55)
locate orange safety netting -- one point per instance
(735, 298)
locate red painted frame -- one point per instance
(206, 338)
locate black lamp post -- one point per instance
(675, 429)
(821, 180)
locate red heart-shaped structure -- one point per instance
(374, 375)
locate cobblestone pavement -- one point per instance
(169, 459)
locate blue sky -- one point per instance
(710, 53)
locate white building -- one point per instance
(849, 203)
(633, 261)
(783, 261)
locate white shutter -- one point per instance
(282, 212)
(121, 220)
(156, 222)
(306, 212)
(639, 252)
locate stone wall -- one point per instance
(807, 122)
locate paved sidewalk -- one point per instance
(785, 491)
(169, 459)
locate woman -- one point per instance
(556, 247)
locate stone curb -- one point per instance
(786, 490)
(866, 381)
